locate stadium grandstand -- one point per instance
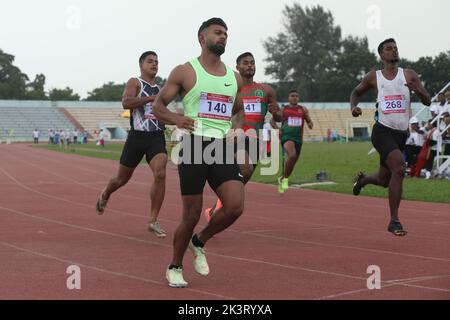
(18, 120)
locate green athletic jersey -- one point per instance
(210, 102)
(293, 123)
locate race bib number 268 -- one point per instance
(393, 104)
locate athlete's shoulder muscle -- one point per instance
(368, 82)
(410, 74)
(131, 88)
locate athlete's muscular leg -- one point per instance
(158, 189)
(391, 177)
(192, 207)
(292, 157)
(381, 178)
(123, 176)
(231, 193)
(397, 166)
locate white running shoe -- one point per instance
(200, 263)
(175, 278)
(156, 229)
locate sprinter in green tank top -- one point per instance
(211, 98)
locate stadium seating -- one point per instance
(92, 118)
(18, 123)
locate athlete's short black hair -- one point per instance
(210, 22)
(292, 91)
(381, 45)
(145, 55)
(242, 56)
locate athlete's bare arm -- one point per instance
(366, 84)
(274, 124)
(173, 86)
(415, 85)
(238, 106)
(130, 100)
(308, 119)
(273, 103)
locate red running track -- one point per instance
(301, 245)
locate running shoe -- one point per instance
(175, 278)
(200, 263)
(156, 229)
(280, 185)
(285, 184)
(396, 228)
(357, 186)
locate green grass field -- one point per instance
(341, 162)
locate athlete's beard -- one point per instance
(218, 50)
(395, 60)
(249, 74)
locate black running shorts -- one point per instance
(385, 140)
(140, 143)
(200, 166)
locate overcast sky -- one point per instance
(86, 43)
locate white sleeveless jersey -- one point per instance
(394, 101)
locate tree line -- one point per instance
(14, 84)
(309, 54)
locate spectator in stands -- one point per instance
(414, 144)
(85, 136)
(446, 111)
(439, 106)
(36, 136)
(62, 139)
(425, 158)
(57, 137)
(68, 136)
(101, 138)
(51, 136)
(334, 135)
(75, 136)
(433, 144)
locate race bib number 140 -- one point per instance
(215, 106)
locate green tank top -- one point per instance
(210, 102)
